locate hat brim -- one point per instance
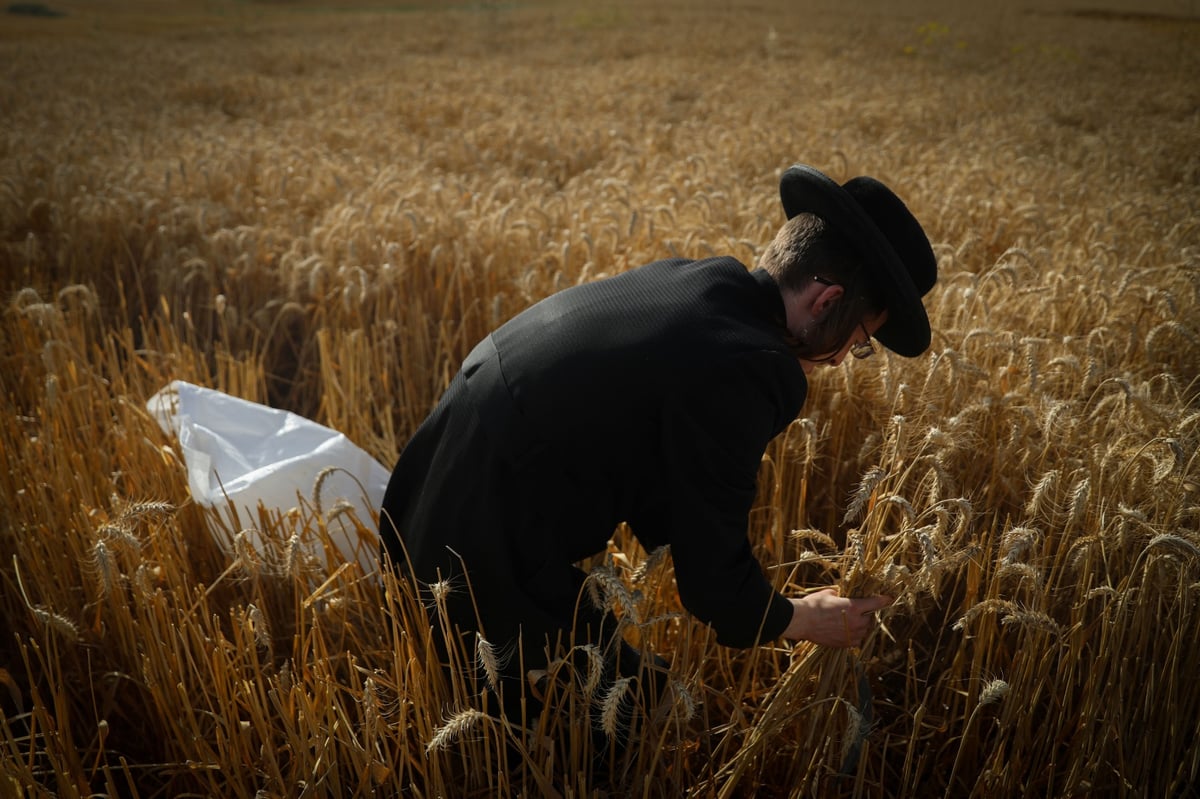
(804, 189)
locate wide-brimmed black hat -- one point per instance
(896, 252)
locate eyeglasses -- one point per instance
(859, 349)
(865, 348)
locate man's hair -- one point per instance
(806, 247)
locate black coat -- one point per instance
(647, 398)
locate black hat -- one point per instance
(896, 251)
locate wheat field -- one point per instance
(323, 206)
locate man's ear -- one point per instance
(825, 300)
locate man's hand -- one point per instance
(827, 619)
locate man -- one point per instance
(649, 398)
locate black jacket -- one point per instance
(647, 398)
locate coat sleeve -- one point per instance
(715, 434)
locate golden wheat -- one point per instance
(326, 211)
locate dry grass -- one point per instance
(325, 210)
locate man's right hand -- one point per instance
(827, 619)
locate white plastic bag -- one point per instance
(244, 453)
